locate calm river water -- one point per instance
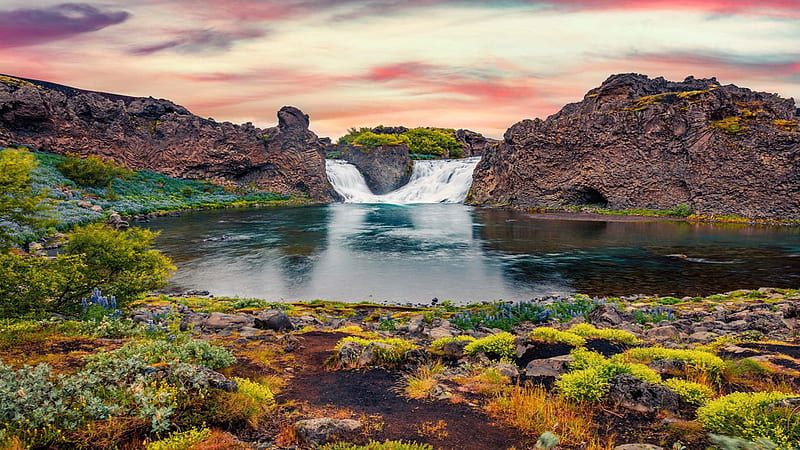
(413, 253)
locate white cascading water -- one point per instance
(436, 181)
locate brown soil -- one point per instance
(372, 393)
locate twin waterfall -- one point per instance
(436, 181)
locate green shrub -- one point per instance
(372, 445)
(395, 354)
(437, 345)
(496, 346)
(184, 440)
(91, 171)
(590, 331)
(352, 134)
(549, 334)
(587, 385)
(433, 142)
(371, 140)
(255, 391)
(19, 204)
(699, 361)
(123, 263)
(32, 286)
(747, 416)
(165, 351)
(689, 391)
(586, 359)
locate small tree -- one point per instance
(122, 263)
(34, 287)
(92, 171)
(19, 204)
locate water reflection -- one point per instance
(401, 253)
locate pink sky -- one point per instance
(459, 64)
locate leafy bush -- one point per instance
(587, 385)
(184, 440)
(164, 351)
(750, 416)
(19, 203)
(591, 380)
(589, 331)
(32, 286)
(496, 346)
(437, 345)
(122, 262)
(372, 445)
(92, 171)
(689, 391)
(433, 142)
(352, 134)
(396, 353)
(255, 391)
(701, 362)
(371, 140)
(549, 334)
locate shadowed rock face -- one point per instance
(636, 142)
(385, 168)
(146, 133)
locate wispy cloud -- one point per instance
(198, 41)
(30, 26)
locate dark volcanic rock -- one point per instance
(385, 168)
(637, 395)
(475, 144)
(146, 133)
(636, 142)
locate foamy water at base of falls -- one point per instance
(437, 181)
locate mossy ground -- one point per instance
(467, 404)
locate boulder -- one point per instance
(607, 315)
(663, 333)
(156, 134)
(548, 367)
(637, 142)
(349, 354)
(509, 370)
(115, 220)
(219, 321)
(637, 395)
(274, 319)
(455, 350)
(385, 168)
(371, 354)
(320, 431)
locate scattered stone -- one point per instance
(320, 431)
(668, 366)
(528, 350)
(662, 333)
(85, 204)
(371, 353)
(637, 395)
(607, 315)
(440, 332)
(274, 319)
(220, 321)
(350, 353)
(115, 220)
(548, 367)
(455, 350)
(508, 370)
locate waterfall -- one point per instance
(435, 181)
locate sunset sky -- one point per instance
(460, 64)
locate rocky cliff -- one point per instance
(146, 133)
(385, 168)
(636, 142)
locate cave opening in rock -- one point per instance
(590, 196)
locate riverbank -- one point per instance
(316, 373)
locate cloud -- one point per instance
(423, 78)
(31, 26)
(199, 41)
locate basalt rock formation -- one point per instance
(636, 142)
(385, 168)
(146, 133)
